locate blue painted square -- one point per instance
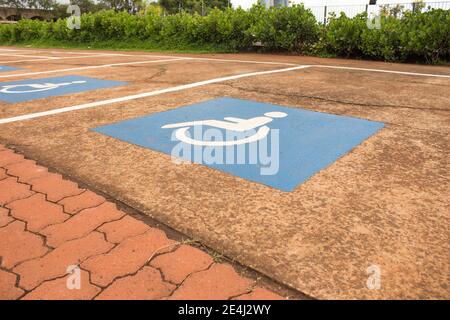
(308, 141)
(24, 90)
(8, 68)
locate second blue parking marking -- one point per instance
(25, 90)
(8, 68)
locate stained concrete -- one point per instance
(385, 203)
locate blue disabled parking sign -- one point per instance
(274, 145)
(24, 90)
(8, 68)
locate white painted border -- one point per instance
(54, 52)
(25, 56)
(210, 59)
(90, 67)
(384, 71)
(181, 87)
(143, 95)
(57, 58)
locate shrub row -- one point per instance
(413, 37)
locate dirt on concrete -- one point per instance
(384, 204)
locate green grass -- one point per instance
(124, 46)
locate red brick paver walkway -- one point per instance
(59, 241)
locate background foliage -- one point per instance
(410, 36)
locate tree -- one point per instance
(29, 4)
(394, 11)
(418, 6)
(199, 6)
(88, 5)
(18, 4)
(131, 6)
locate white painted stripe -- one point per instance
(247, 61)
(59, 52)
(15, 50)
(24, 55)
(384, 71)
(56, 58)
(143, 95)
(211, 59)
(241, 61)
(89, 67)
(171, 56)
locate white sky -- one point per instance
(248, 3)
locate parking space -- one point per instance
(363, 150)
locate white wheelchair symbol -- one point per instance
(229, 123)
(35, 87)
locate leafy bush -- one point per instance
(293, 29)
(343, 35)
(384, 43)
(405, 36)
(426, 36)
(414, 36)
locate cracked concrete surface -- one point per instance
(384, 203)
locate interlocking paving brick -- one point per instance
(37, 212)
(128, 257)
(177, 265)
(26, 170)
(87, 199)
(4, 217)
(11, 190)
(59, 290)
(8, 289)
(55, 187)
(55, 263)
(126, 227)
(260, 294)
(145, 285)
(81, 223)
(17, 245)
(3, 174)
(8, 157)
(44, 271)
(217, 283)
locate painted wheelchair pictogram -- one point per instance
(229, 123)
(36, 87)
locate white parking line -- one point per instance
(89, 67)
(24, 55)
(163, 56)
(55, 52)
(211, 59)
(246, 61)
(58, 58)
(384, 71)
(222, 60)
(143, 95)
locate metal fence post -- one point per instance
(325, 15)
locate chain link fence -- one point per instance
(322, 12)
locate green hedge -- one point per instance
(413, 37)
